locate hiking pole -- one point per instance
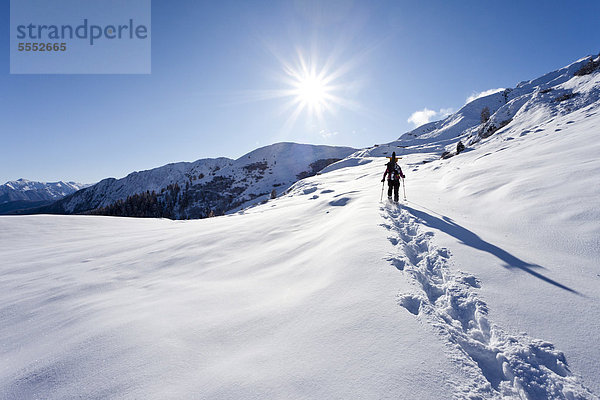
(382, 186)
(404, 188)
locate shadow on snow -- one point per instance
(469, 238)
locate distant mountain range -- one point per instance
(24, 194)
(201, 188)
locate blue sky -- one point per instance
(216, 66)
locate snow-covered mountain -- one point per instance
(483, 284)
(24, 190)
(534, 103)
(204, 187)
(23, 194)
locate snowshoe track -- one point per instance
(496, 364)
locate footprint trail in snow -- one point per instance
(496, 364)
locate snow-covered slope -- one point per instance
(534, 102)
(210, 185)
(483, 284)
(24, 190)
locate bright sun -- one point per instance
(312, 91)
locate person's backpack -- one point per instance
(393, 171)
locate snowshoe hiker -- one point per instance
(393, 173)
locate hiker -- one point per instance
(394, 173)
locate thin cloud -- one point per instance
(444, 112)
(327, 133)
(426, 115)
(475, 96)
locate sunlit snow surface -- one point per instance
(483, 284)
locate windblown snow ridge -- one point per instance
(496, 364)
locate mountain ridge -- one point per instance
(211, 186)
(23, 194)
(540, 100)
(27, 190)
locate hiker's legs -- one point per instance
(396, 188)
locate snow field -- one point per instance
(292, 299)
